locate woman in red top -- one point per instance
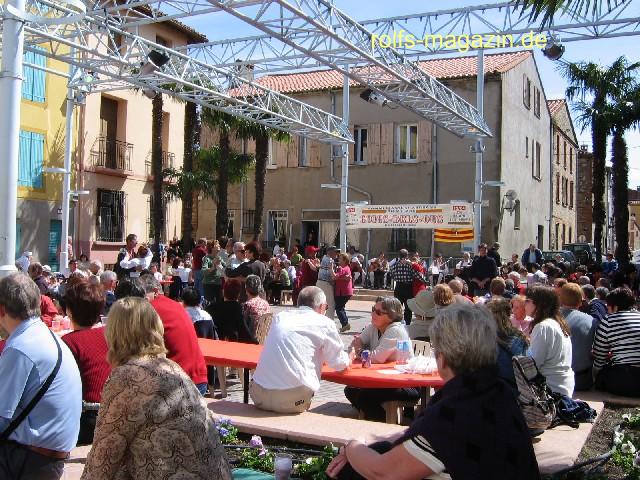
(87, 343)
(343, 290)
(418, 285)
(308, 272)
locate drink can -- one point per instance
(365, 355)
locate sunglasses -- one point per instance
(378, 312)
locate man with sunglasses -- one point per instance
(238, 256)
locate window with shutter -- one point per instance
(111, 210)
(34, 80)
(30, 159)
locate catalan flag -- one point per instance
(453, 235)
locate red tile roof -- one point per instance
(441, 68)
(555, 105)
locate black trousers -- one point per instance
(369, 400)
(348, 473)
(212, 292)
(17, 462)
(378, 279)
(620, 380)
(87, 426)
(403, 292)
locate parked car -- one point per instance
(584, 252)
(567, 256)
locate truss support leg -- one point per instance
(10, 93)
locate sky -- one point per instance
(602, 51)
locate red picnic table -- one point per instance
(246, 356)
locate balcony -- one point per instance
(168, 161)
(112, 154)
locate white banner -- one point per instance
(443, 215)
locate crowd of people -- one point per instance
(129, 376)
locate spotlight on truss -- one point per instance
(372, 97)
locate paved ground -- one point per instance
(359, 313)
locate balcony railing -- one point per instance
(168, 161)
(112, 154)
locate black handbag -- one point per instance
(4, 436)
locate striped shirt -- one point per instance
(402, 272)
(617, 339)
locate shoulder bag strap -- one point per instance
(38, 396)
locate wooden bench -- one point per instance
(555, 449)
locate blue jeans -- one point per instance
(341, 302)
(202, 388)
(197, 276)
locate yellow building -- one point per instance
(42, 143)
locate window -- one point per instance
(570, 194)
(536, 102)
(30, 159)
(564, 231)
(407, 143)
(536, 156)
(557, 238)
(565, 193)
(303, 154)
(516, 218)
(557, 188)
(564, 145)
(557, 149)
(278, 224)
(526, 147)
(570, 235)
(272, 161)
(34, 81)
(403, 238)
(526, 92)
(570, 160)
(111, 210)
(162, 41)
(360, 145)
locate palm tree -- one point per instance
(625, 113)
(587, 79)
(156, 170)
(191, 148)
(550, 8)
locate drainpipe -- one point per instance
(332, 172)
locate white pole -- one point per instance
(344, 184)
(477, 227)
(10, 92)
(66, 181)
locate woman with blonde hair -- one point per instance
(153, 423)
(443, 295)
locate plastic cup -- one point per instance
(55, 325)
(282, 465)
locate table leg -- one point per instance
(245, 384)
(425, 393)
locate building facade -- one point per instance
(400, 158)
(42, 145)
(115, 160)
(584, 196)
(564, 168)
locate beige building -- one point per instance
(115, 160)
(564, 167)
(400, 158)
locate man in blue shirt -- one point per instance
(37, 446)
(610, 265)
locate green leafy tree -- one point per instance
(593, 88)
(548, 9)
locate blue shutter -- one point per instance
(24, 159)
(30, 159)
(37, 159)
(55, 231)
(27, 77)
(39, 78)
(34, 81)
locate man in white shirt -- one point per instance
(299, 342)
(238, 256)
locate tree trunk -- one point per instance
(156, 171)
(222, 190)
(191, 146)
(620, 185)
(262, 153)
(599, 139)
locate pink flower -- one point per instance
(255, 441)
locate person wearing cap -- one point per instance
(493, 253)
(24, 261)
(424, 309)
(326, 279)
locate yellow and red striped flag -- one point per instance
(453, 235)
